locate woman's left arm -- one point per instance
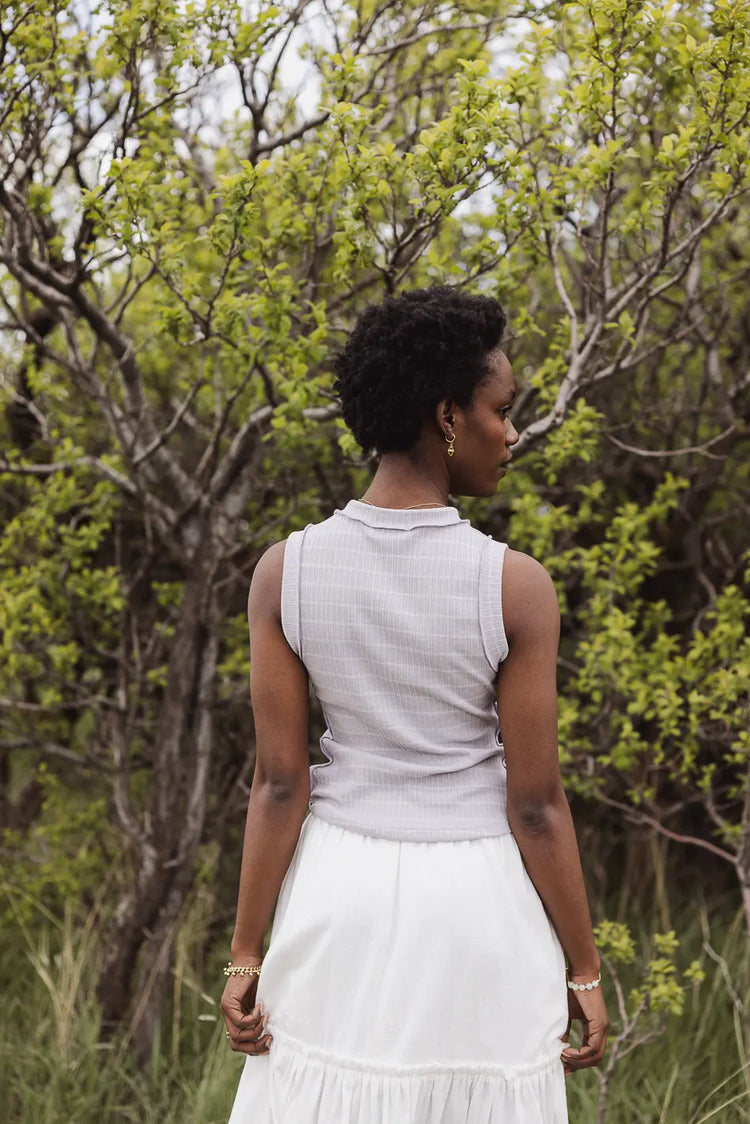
(279, 796)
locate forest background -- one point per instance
(196, 200)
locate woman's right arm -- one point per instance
(538, 809)
(279, 795)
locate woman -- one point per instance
(432, 886)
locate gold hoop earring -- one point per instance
(451, 441)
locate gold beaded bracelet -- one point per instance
(242, 969)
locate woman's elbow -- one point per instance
(532, 814)
(284, 792)
(283, 787)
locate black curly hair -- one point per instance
(407, 354)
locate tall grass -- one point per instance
(56, 1067)
(697, 1069)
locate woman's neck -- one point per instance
(401, 482)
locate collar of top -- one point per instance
(399, 518)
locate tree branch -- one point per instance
(675, 452)
(635, 815)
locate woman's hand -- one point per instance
(245, 1020)
(588, 1008)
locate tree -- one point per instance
(183, 242)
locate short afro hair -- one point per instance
(407, 354)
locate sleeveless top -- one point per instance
(397, 617)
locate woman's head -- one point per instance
(408, 354)
(423, 375)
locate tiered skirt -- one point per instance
(408, 983)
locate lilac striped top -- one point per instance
(397, 616)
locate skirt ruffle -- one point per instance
(309, 1087)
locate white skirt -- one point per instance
(408, 983)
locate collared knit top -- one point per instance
(397, 616)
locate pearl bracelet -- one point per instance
(242, 969)
(585, 986)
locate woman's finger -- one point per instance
(588, 1009)
(249, 1034)
(254, 1046)
(251, 1030)
(597, 1039)
(250, 1021)
(591, 1050)
(581, 1058)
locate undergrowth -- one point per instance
(57, 1066)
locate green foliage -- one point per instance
(659, 991)
(58, 598)
(651, 704)
(59, 861)
(614, 939)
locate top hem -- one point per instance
(456, 835)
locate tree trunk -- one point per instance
(138, 955)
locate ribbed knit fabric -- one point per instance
(397, 616)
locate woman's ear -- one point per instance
(444, 413)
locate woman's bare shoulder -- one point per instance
(529, 595)
(265, 585)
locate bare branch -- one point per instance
(564, 297)
(675, 452)
(637, 816)
(293, 134)
(418, 36)
(50, 469)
